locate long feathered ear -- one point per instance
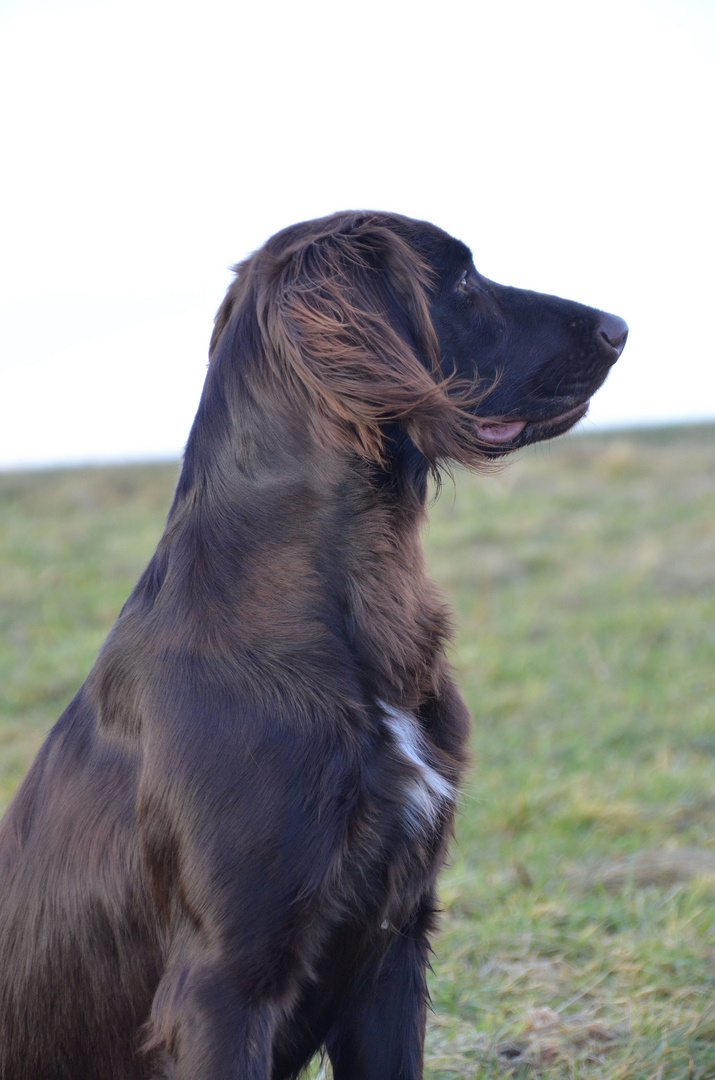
(345, 318)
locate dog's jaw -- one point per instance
(506, 435)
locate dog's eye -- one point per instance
(463, 282)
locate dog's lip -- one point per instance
(568, 418)
(501, 430)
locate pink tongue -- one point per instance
(500, 430)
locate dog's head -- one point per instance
(372, 321)
(539, 359)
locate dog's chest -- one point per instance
(426, 796)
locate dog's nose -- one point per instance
(614, 332)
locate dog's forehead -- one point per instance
(444, 252)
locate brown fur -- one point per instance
(223, 860)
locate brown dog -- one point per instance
(224, 857)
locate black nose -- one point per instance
(614, 331)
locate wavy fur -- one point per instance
(223, 859)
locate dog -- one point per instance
(223, 859)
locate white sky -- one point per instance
(147, 145)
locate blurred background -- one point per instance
(149, 145)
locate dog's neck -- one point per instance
(294, 548)
(287, 567)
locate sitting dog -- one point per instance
(223, 859)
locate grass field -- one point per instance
(579, 926)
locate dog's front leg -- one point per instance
(207, 1027)
(241, 828)
(379, 1032)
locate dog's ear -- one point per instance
(345, 316)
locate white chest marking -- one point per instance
(428, 790)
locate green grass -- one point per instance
(579, 930)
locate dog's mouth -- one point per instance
(510, 434)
